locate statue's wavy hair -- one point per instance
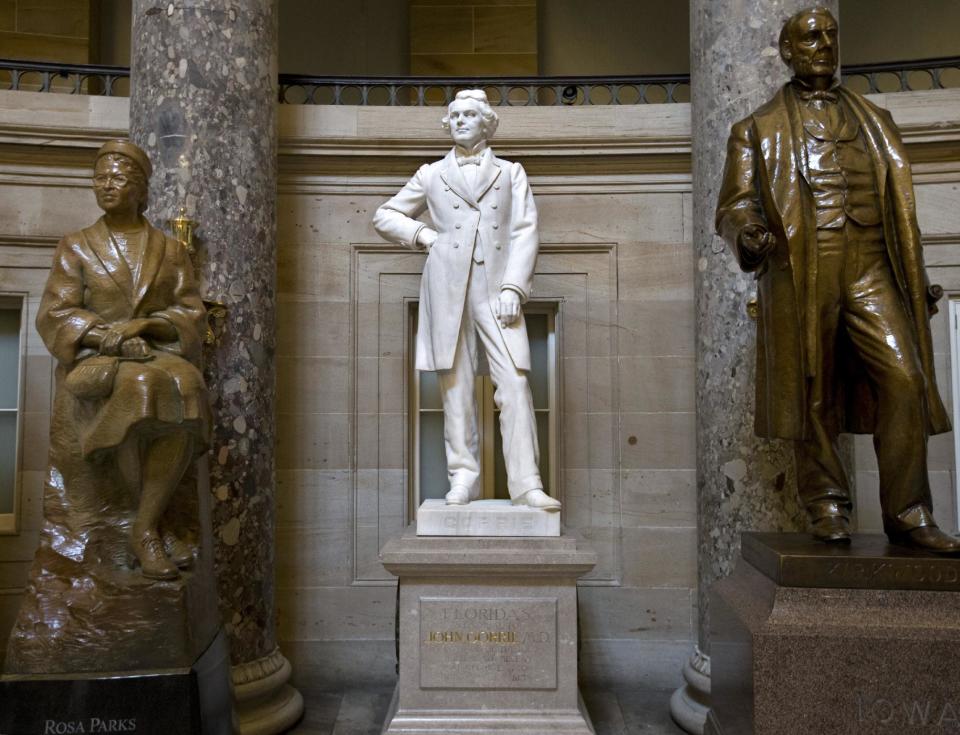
(489, 116)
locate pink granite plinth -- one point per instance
(804, 660)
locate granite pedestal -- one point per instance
(808, 637)
(488, 635)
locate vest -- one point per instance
(840, 169)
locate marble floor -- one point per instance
(361, 712)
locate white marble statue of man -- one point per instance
(479, 270)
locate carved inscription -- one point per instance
(488, 643)
(884, 572)
(929, 714)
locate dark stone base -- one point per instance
(792, 660)
(189, 701)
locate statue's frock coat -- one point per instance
(499, 212)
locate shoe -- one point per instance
(832, 529)
(458, 495)
(538, 499)
(179, 552)
(154, 563)
(928, 538)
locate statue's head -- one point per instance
(121, 177)
(470, 118)
(808, 43)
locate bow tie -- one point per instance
(469, 160)
(816, 95)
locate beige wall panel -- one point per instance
(656, 328)
(8, 15)
(13, 575)
(937, 208)
(312, 269)
(658, 498)
(314, 498)
(313, 441)
(506, 29)
(441, 29)
(590, 380)
(656, 272)
(313, 557)
(342, 613)
(327, 332)
(669, 556)
(474, 65)
(657, 441)
(46, 211)
(657, 383)
(313, 385)
(655, 218)
(633, 613)
(44, 48)
(54, 17)
(331, 219)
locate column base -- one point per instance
(690, 704)
(266, 703)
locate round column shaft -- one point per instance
(203, 105)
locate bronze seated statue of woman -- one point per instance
(122, 315)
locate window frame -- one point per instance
(10, 522)
(486, 409)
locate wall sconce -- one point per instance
(182, 228)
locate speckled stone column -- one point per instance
(203, 105)
(743, 483)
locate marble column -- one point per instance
(743, 483)
(203, 105)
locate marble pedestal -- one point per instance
(816, 638)
(485, 518)
(488, 635)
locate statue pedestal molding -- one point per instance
(488, 635)
(809, 637)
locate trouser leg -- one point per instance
(882, 334)
(821, 476)
(518, 426)
(460, 436)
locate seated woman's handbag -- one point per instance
(92, 379)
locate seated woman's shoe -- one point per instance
(154, 563)
(178, 551)
(538, 499)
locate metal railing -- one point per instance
(940, 73)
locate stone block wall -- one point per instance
(45, 30)
(473, 38)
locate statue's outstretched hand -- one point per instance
(756, 242)
(507, 308)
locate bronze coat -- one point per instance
(765, 182)
(90, 284)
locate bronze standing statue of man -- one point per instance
(817, 200)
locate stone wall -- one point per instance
(46, 30)
(473, 38)
(612, 185)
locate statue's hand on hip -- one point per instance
(427, 237)
(507, 308)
